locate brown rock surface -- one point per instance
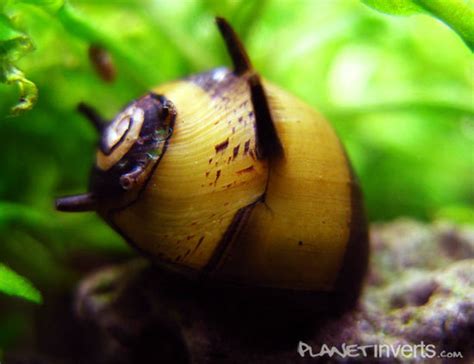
(419, 291)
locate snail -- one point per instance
(102, 63)
(224, 176)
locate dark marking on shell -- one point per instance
(222, 146)
(300, 243)
(233, 230)
(246, 147)
(207, 173)
(246, 170)
(189, 237)
(210, 160)
(235, 152)
(199, 243)
(218, 174)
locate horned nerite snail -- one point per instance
(224, 176)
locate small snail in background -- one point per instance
(102, 63)
(225, 177)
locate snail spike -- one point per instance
(77, 203)
(235, 47)
(268, 142)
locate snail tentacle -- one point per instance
(93, 116)
(77, 203)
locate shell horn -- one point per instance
(268, 142)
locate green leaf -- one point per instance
(457, 14)
(460, 214)
(396, 7)
(23, 215)
(49, 5)
(13, 284)
(28, 90)
(14, 44)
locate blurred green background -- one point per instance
(398, 90)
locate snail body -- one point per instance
(227, 177)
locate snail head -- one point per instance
(129, 148)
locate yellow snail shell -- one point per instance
(239, 182)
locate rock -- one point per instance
(418, 299)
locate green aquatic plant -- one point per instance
(398, 90)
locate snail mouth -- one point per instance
(130, 148)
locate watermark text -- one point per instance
(421, 350)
